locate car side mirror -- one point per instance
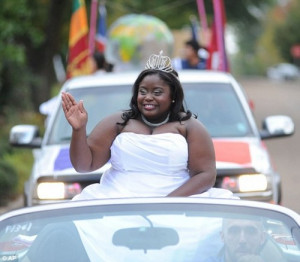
(25, 136)
(277, 126)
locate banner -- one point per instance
(218, 58)
(80, 61)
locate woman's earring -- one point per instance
(173, 101)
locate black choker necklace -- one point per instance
(154, 124)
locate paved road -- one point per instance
(270, 98)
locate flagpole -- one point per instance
(93, 21)
(202, 14)
(219, 24)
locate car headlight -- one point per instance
(250, 183)
(57, 190)
(246, 183)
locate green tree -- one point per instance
(278, 34)
(15, 27)
(287, 33)
(31, 32)
(177, 13)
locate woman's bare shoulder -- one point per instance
(193, 125)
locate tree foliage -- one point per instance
(16, 29)
(287, 33)
(177, 13)
(279, 33)
(31, 31)
(8, 181)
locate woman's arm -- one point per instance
(201, 161)
(88, 154)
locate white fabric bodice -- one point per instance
(142, 165)
(160, 154)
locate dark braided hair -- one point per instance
(171, 79)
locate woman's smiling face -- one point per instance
(154, 98)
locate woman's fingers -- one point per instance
(81, 107)
(71, 99)
(67, 101)
(63, 102)
(75, 113)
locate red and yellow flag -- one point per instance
(80, 61)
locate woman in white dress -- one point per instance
(156, 148)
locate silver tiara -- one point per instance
(159, 62)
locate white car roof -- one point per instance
(128, 78)
(156, 200)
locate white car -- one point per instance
(243, 162)
(283, 71)
(190, 229)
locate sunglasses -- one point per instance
(237, 230)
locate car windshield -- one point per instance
(216, 105)
(149, 232)
(218, 108)
(98, 102)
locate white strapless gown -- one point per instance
(145, 166)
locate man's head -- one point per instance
(100, 60)
(242, 237)
(191, 48)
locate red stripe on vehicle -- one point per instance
(232, 152)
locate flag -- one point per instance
(213, 58)
(217, 52)
(80, 61)
(101, 29)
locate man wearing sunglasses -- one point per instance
(243, 240)
(246, 240)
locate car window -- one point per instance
(148, 232)
(218, 108)
(98, 101)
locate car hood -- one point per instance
(230, 154)
(241, 153)
(55, 160)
